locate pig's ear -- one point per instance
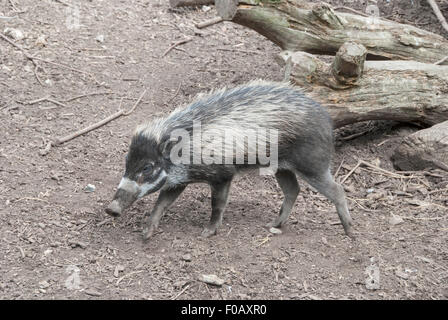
(167, 145)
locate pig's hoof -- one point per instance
(350, 233)
(113, 209)
(208, 232)
(148, 232)
(273, 224)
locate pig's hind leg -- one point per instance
(220, 194)
(287, 181)
(325, 184)
(165, 199)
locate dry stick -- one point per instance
(239, 50)
(62, 66)
(15, 8)
(86, 95)
(339, 168)
(128, 275)
(56, 102)
(176, 44)
(175, 95)
(383, 171)
(179, 294)
(351, 172)
(7, 18)
(209, 23)
(441, 60)
(438, 14)
(353, 136)
(98, 124)
(437, 191)
(389, 173)
(37, 100)
(46, 98)
(64, 3)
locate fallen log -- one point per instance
(355, 90)
(427, 148)
(186, 3)
(297, 25)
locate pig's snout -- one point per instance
(126, 194)
(114, 209)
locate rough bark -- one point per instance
(297, 25)
(424, 149)
(186, 3)
(355, 90)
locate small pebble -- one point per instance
(100, 38)
(92, 292)
(211, 279)
(186, 257)
(89, 188)
(394, 219)
(401, 274)
(44, 284)
(16, 34)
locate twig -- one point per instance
(15, 8)
(31, 198)
(353, 136)
(239, 50)
(56, 102)
(120, 113)
(176, 44)
(175, 94)
(361, 206)
(351, 172)
(7, 18)
(22, 253)
(439, 190)
(388, 173)
(64, 3)
(438, 14)
(86, 95)
(179, 294)
(37, 100)
(127, 275)
(36, 68)
(209, 23)
(428, 218)
(62, 65)
(339, 168)
(46, 98)
(441, 60)
(263, 241)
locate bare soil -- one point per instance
(53, 233)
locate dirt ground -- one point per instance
(56, 242)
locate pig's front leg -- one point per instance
(164, 201)
(220, 194)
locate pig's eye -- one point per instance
(147, 168)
